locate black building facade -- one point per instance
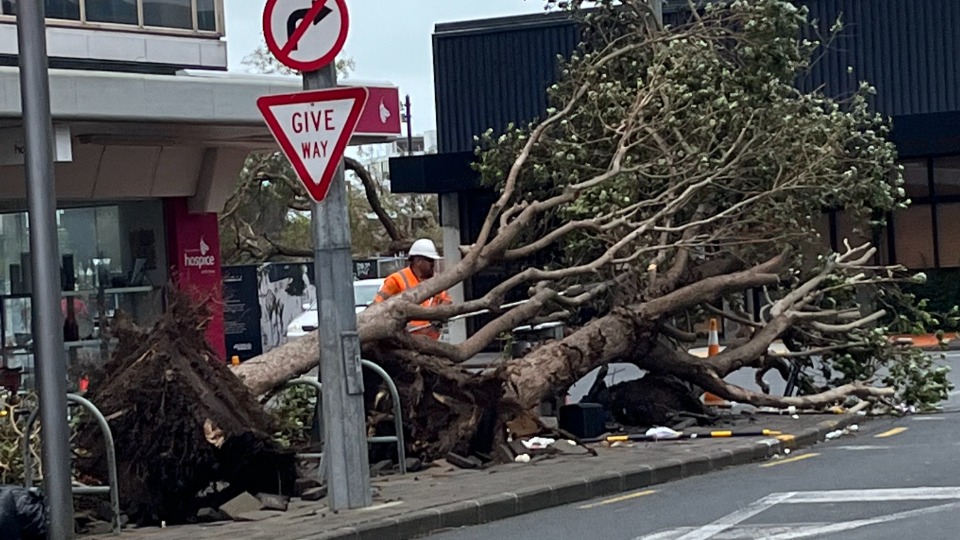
(490, 73)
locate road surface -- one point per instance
(893, 479)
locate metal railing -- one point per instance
(397, 417)
(112, 489)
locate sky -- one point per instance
(389, 40)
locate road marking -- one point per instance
(790, 460)
(927, 418)
(850, 525)
(891, 433)
(785, 438)
(875, 495)
(728, 527)
(619, 499)
(862, 447)
(709, 531)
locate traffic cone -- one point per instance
(713, 349)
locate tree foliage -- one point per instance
(676, 171)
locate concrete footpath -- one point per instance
(443, 497)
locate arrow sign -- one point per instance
(305, 35)
(313, 130)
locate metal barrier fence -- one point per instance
(397, 416)
(112, 489)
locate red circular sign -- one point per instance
(305, 35)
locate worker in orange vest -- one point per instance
(423, 259)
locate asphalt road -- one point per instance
(892, 479)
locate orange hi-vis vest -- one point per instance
(405, 279)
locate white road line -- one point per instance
(874, 495)
(928, 418)
(850, 525)
(860, 448)
(726, 522)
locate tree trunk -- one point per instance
(272, 369)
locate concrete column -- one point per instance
(450, 218)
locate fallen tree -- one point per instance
(675, 170)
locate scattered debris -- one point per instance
(413, 464)
(522, 458)
(303, 484)
(834, 434)
(98, 528)
(241, 504)
(314, 494)
(274, 502)
(209, 515)
(538, 443)
(662, 433)
(380, 467)
(464, 462)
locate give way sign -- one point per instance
(313, 130)
(305, 35)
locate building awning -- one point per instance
(149, 136)
(195, 105)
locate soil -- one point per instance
(160, 390)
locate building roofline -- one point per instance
(520, 22)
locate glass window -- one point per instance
(14, 253)
(63, 9)
(916, 181)
(855, 231)
(168, 13)
(948, 218)
(112, 11)
(55, 9)
(946, 176)
(913, 229)
(206, 15)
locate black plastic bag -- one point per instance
(23, 514)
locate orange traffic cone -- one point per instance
(713, 349)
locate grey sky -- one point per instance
(390, 40)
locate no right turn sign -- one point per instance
(305, 35)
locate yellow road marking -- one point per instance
(619, 499)
(790, 460)
(786, 438)
(891, 433)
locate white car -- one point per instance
(364, 292)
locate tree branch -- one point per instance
(370, 188)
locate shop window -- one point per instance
(206, 15)
(913, 232)
(168, 13)
(946, 176)
(916, 180)
(948, 227)
(112, 11)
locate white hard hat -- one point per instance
(424, 248)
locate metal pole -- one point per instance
(47, 325)
(345, 446)
(409, 128)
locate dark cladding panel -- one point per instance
(908, 49)
(487, 78)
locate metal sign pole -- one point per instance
(345, 446)
(47, 325)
